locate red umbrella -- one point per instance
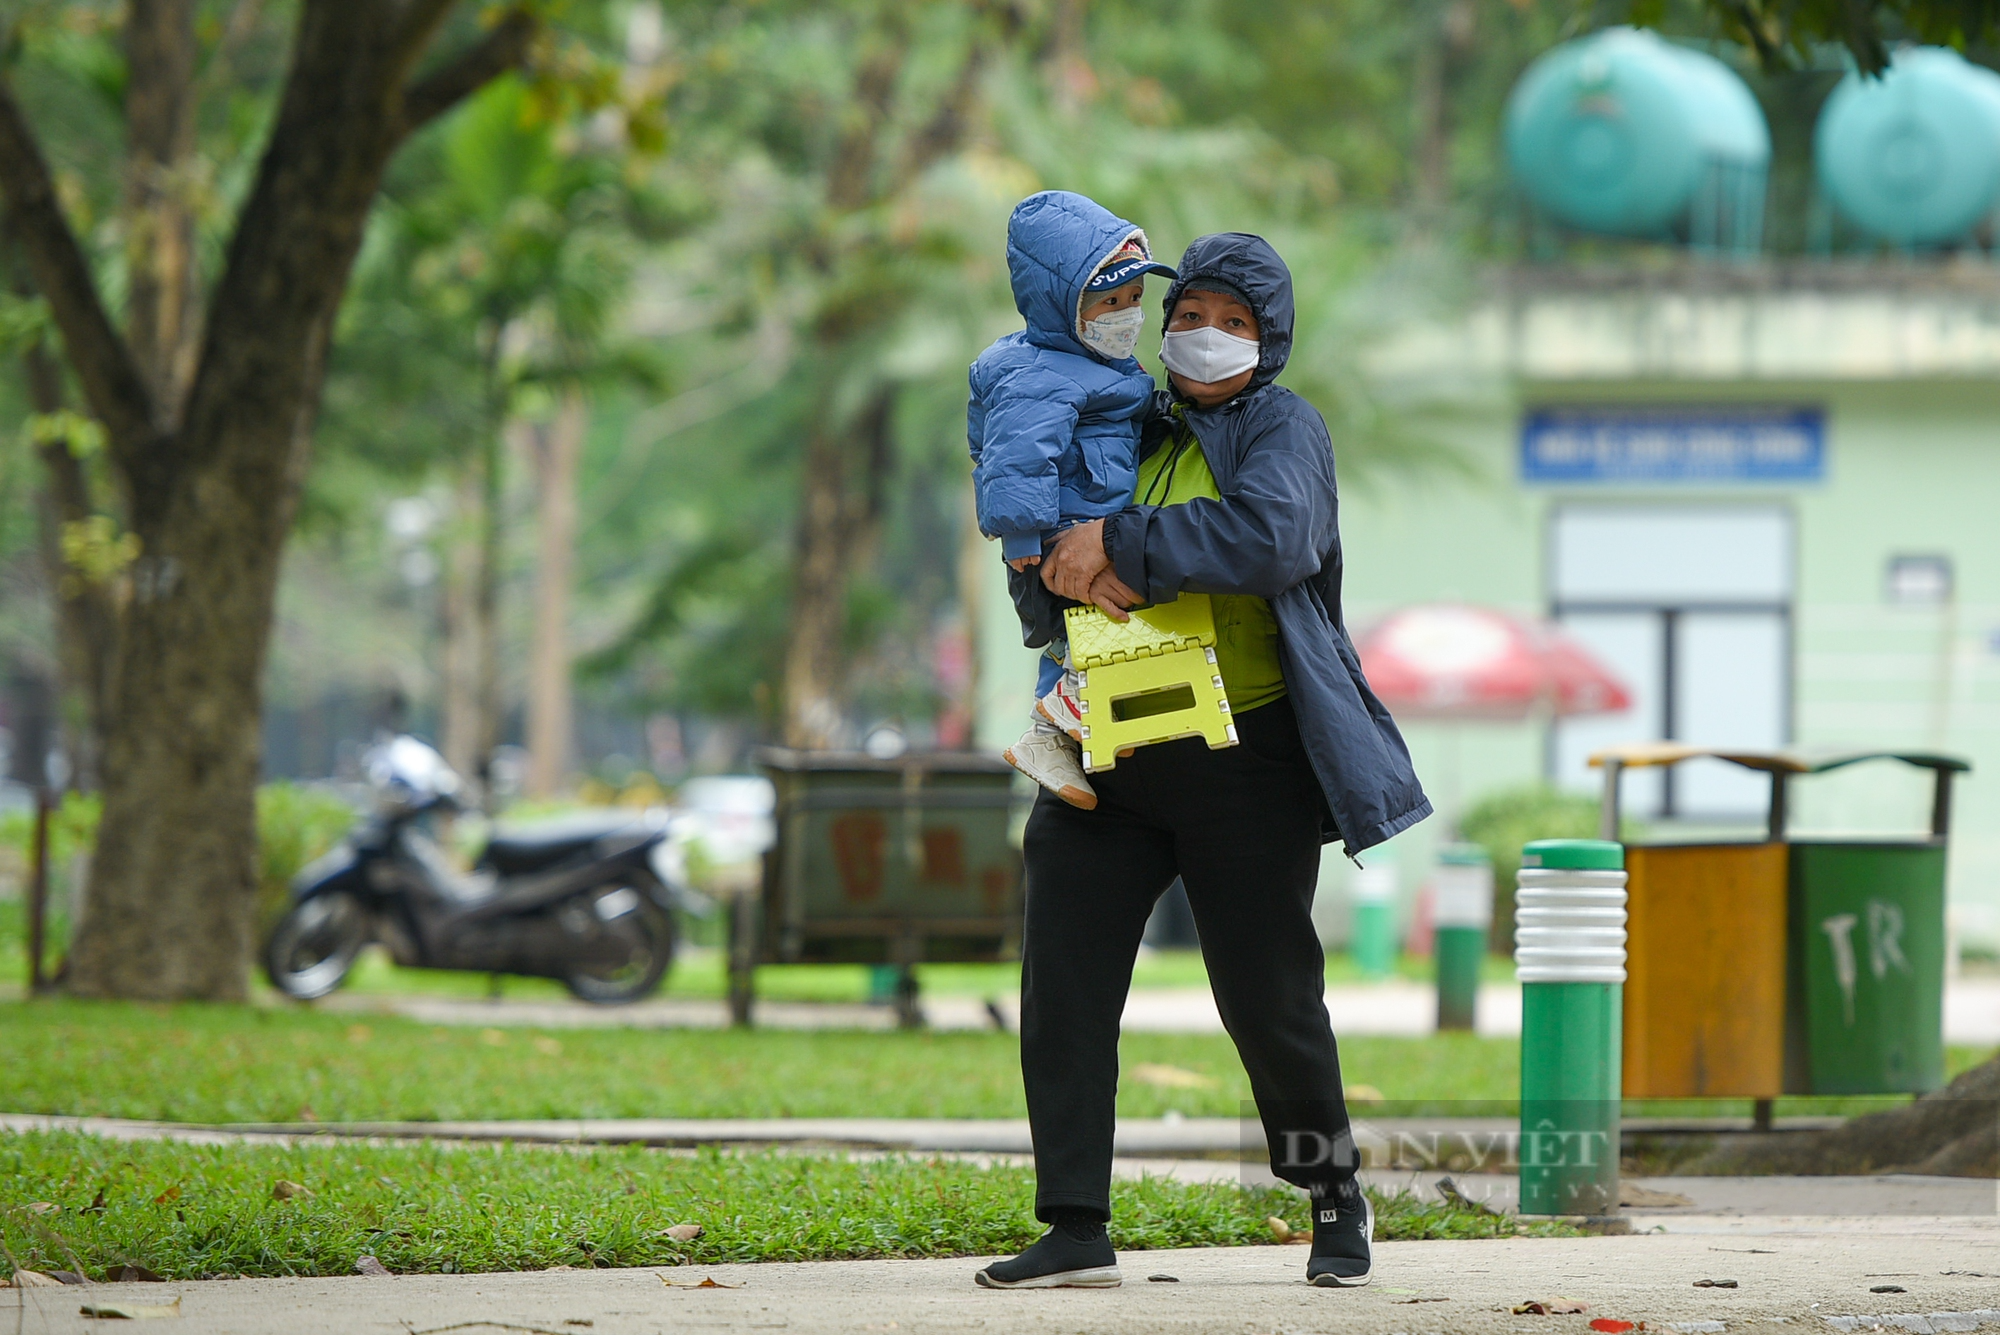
(1453, 661)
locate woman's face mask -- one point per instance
(1207, 355)
(1114, 335)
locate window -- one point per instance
(1692, 606)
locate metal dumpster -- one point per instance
(1784, 965)
(900, 862)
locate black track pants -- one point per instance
(1241, 828)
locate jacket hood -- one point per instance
(1055, 241)
(1248, 264)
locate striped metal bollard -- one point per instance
(1461, 913)
(1569, 953)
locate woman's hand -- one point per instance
(1076, 559)
(1113, 595)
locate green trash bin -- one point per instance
(885, 862)
(1864, 950)
(1867, 924)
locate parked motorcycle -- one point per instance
(588, 900)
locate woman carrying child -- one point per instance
(1235, 498)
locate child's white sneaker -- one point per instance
(1062, 707)
(1054, 761)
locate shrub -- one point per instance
(295, 824)
(1503, 821)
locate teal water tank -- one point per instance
(1620, 131)
(1914, 156)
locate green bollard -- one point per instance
(1461, 912)
(1569, 952)
(1374, 943)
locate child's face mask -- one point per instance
(1114, 335)
(1207, 355)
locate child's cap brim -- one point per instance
(1127, 271)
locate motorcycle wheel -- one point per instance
(648, 930)
(314, 946)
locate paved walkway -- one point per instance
(1971, 1011)
(1800, 1276)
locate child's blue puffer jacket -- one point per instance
(1053, 427)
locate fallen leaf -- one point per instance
(1450, 1191)
(1365, 1094)
(578, 1321)
(684, 1232)
(69, 1277)
(96, 1205)
(44, 1207)
(35, 1279)
(369, 1266)
(1715, 1283)
(131, 1273)
(1551, 1307)
(714, 1284)
(1163, 1279)
(281, 1190)
(1172, 1077)
(168, 1196)
(1407, 1301)
(1887, 1288)
(1631, 1193)
(1280, 1230)
(1611, 1326)
(306, 1113)
(131, 1311)
(549, 1047)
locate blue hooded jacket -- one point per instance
(1054, 427)
(1276, 534)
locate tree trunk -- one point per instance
(85, 614)
(1443, 37)
(160, 96)
(486, 609)
(559, 450)
(212, 490)
(840, 513)
(459, 613)
(172, 883)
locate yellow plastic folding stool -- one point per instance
(1164, 651)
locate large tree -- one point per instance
(206, 412)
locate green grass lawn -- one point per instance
(197, 1063)
(188, 1211)
(242, 1064)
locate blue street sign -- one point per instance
(1667, 445)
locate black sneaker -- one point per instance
(1068, 1256)
(1343, 1229)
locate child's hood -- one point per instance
(1055, 242)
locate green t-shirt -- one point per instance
(1246, 633)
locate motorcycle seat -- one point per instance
(526, 848)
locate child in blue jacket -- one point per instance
(1054, 426)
